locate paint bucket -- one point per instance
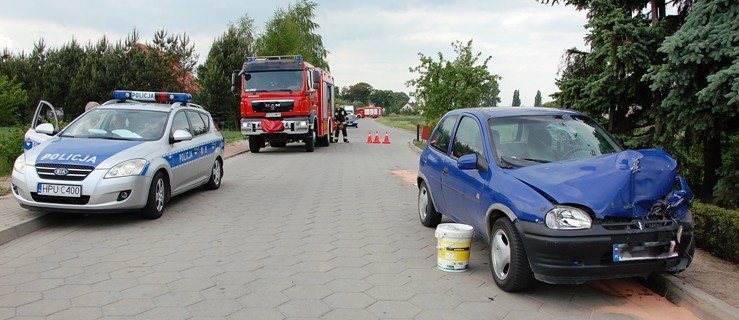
(453, 246)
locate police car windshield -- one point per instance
(106, 123)
(271, 81)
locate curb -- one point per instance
(686, 295)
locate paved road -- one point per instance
(332, 234)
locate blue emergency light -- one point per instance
(152, 96)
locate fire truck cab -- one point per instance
(284, 99)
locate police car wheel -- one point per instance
(157, 197)
(215, 176)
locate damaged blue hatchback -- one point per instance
(556, 196)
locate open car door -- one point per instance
(45, 124)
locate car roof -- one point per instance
(143, 105)
(500, 112)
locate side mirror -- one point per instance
(45, 128)
(181, 135)
(235, 75)
(471, 162)
(316, 85)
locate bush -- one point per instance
(11, 146)
(717, 230)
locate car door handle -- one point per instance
(445, 171)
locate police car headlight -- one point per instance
(568, 218)
(127, 168)
(20, 164)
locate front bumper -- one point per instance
(576, 256)
(295, 125)
(98, 195)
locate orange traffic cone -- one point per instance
(369, 137)
(387, 139)
(377, 137)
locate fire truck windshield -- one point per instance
(271, 81)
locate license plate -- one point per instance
(645, 251)
(274, 114)
(59, 190)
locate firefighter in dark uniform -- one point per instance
(340, 120)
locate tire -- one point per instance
(216, 173)
(157, 198)
(508, 261)
(426, 210)
(310, 141)
(255, 143)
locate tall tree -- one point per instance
(359, 92)
(226, 54)
(516, 99)
(447, 85)
(701, 82)
(12, 98)
(293, 31)
(537, 99)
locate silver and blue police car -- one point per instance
(131, 153)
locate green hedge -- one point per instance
(717, 230)
(11, 146)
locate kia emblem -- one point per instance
(61, 171)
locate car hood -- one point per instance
(624, 184)
(86, 152)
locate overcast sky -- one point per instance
(369, 41)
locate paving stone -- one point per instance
(304, 308)
(128, 307)
(394, 309)
(42, 308)
(346, 300)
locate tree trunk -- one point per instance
(711, 162)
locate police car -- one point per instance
(131, 153)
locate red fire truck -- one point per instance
(284, 99)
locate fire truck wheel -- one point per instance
(255, 143)
(310, 141)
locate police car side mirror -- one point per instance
(181, 135)
(45, 128)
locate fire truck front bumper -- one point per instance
(254, 126)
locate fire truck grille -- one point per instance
(272, 106)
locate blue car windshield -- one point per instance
(118, 124)
(527, 140)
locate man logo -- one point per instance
(61, 171)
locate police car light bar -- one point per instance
(152, 96)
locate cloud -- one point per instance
(369, 41)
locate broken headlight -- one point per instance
(568, 218)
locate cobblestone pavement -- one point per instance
(332, 234)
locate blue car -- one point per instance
(556, 197)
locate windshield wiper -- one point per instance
(508, 162)
(537, 160)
